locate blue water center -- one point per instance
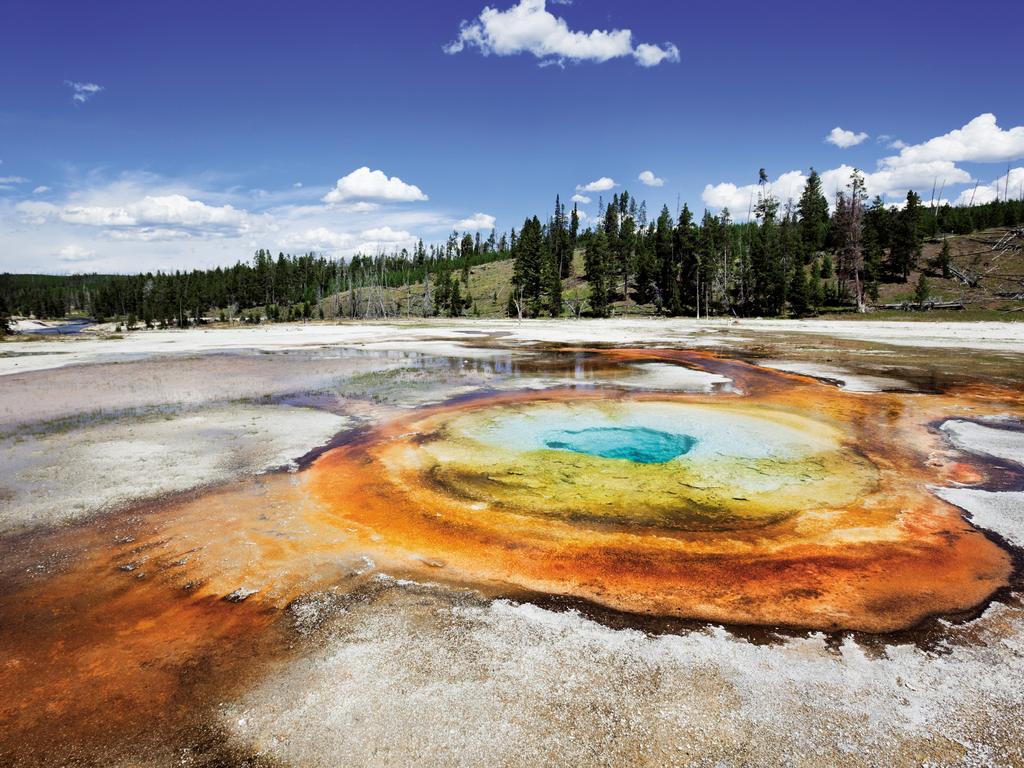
(639, 444)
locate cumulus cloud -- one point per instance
(1008, 185)
(740, 198)
(364, 184)
(153, 217)
(648, 55)
(528, 27)
(197, 222)
(843, 138)
(917, 166)
(578, 198)
(649, 179)
(478, 221)
(82, 92)
(981, 141)
(599, 185)
(42, 188)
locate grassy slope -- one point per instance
(489, 286)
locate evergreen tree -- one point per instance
(667, 294)
(552, 278)
(876, 219)
(849, 228)
(944, 261)
(906, 245)
(767, 266)
(528, 266)
(799, 293)
(626, 251)
(813, 211)
(684, 246)
(5, 317)
(597, 261)
(574, 229)
(646, 266)
(922, 291)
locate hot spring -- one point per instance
(783, 505)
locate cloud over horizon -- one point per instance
(917, 166)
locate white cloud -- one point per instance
(477, 222)
(42, 188)
(297, 185)
(74, 252)
(32, 212)
(528, 27)
(918, 167)
(129, 224)
(648, 55)
(361, 207)
(600, 185)
(9, 182)
(648, 178)
(149, 218)
(1008, 185)
(364, 184)
(319, 239)
(843, 138)
(980, 141)
(82, 92)
(386, 235)
(578, 198)
(740, 199)
(384, 239)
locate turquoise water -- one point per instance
(639, 444)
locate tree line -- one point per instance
(788, 258)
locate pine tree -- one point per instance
(767, 267)
(5, 318)
(813, 210)
(455, 302)
(849, 228)
(596, 260)
(684, 246)
(552, 277)
(906, 245)
(922, 291)
(799, 294)
(527, 275)
(944, 261)
(667, 294)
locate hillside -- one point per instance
(994, 269)
(996, 274)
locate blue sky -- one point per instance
(142, 136)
